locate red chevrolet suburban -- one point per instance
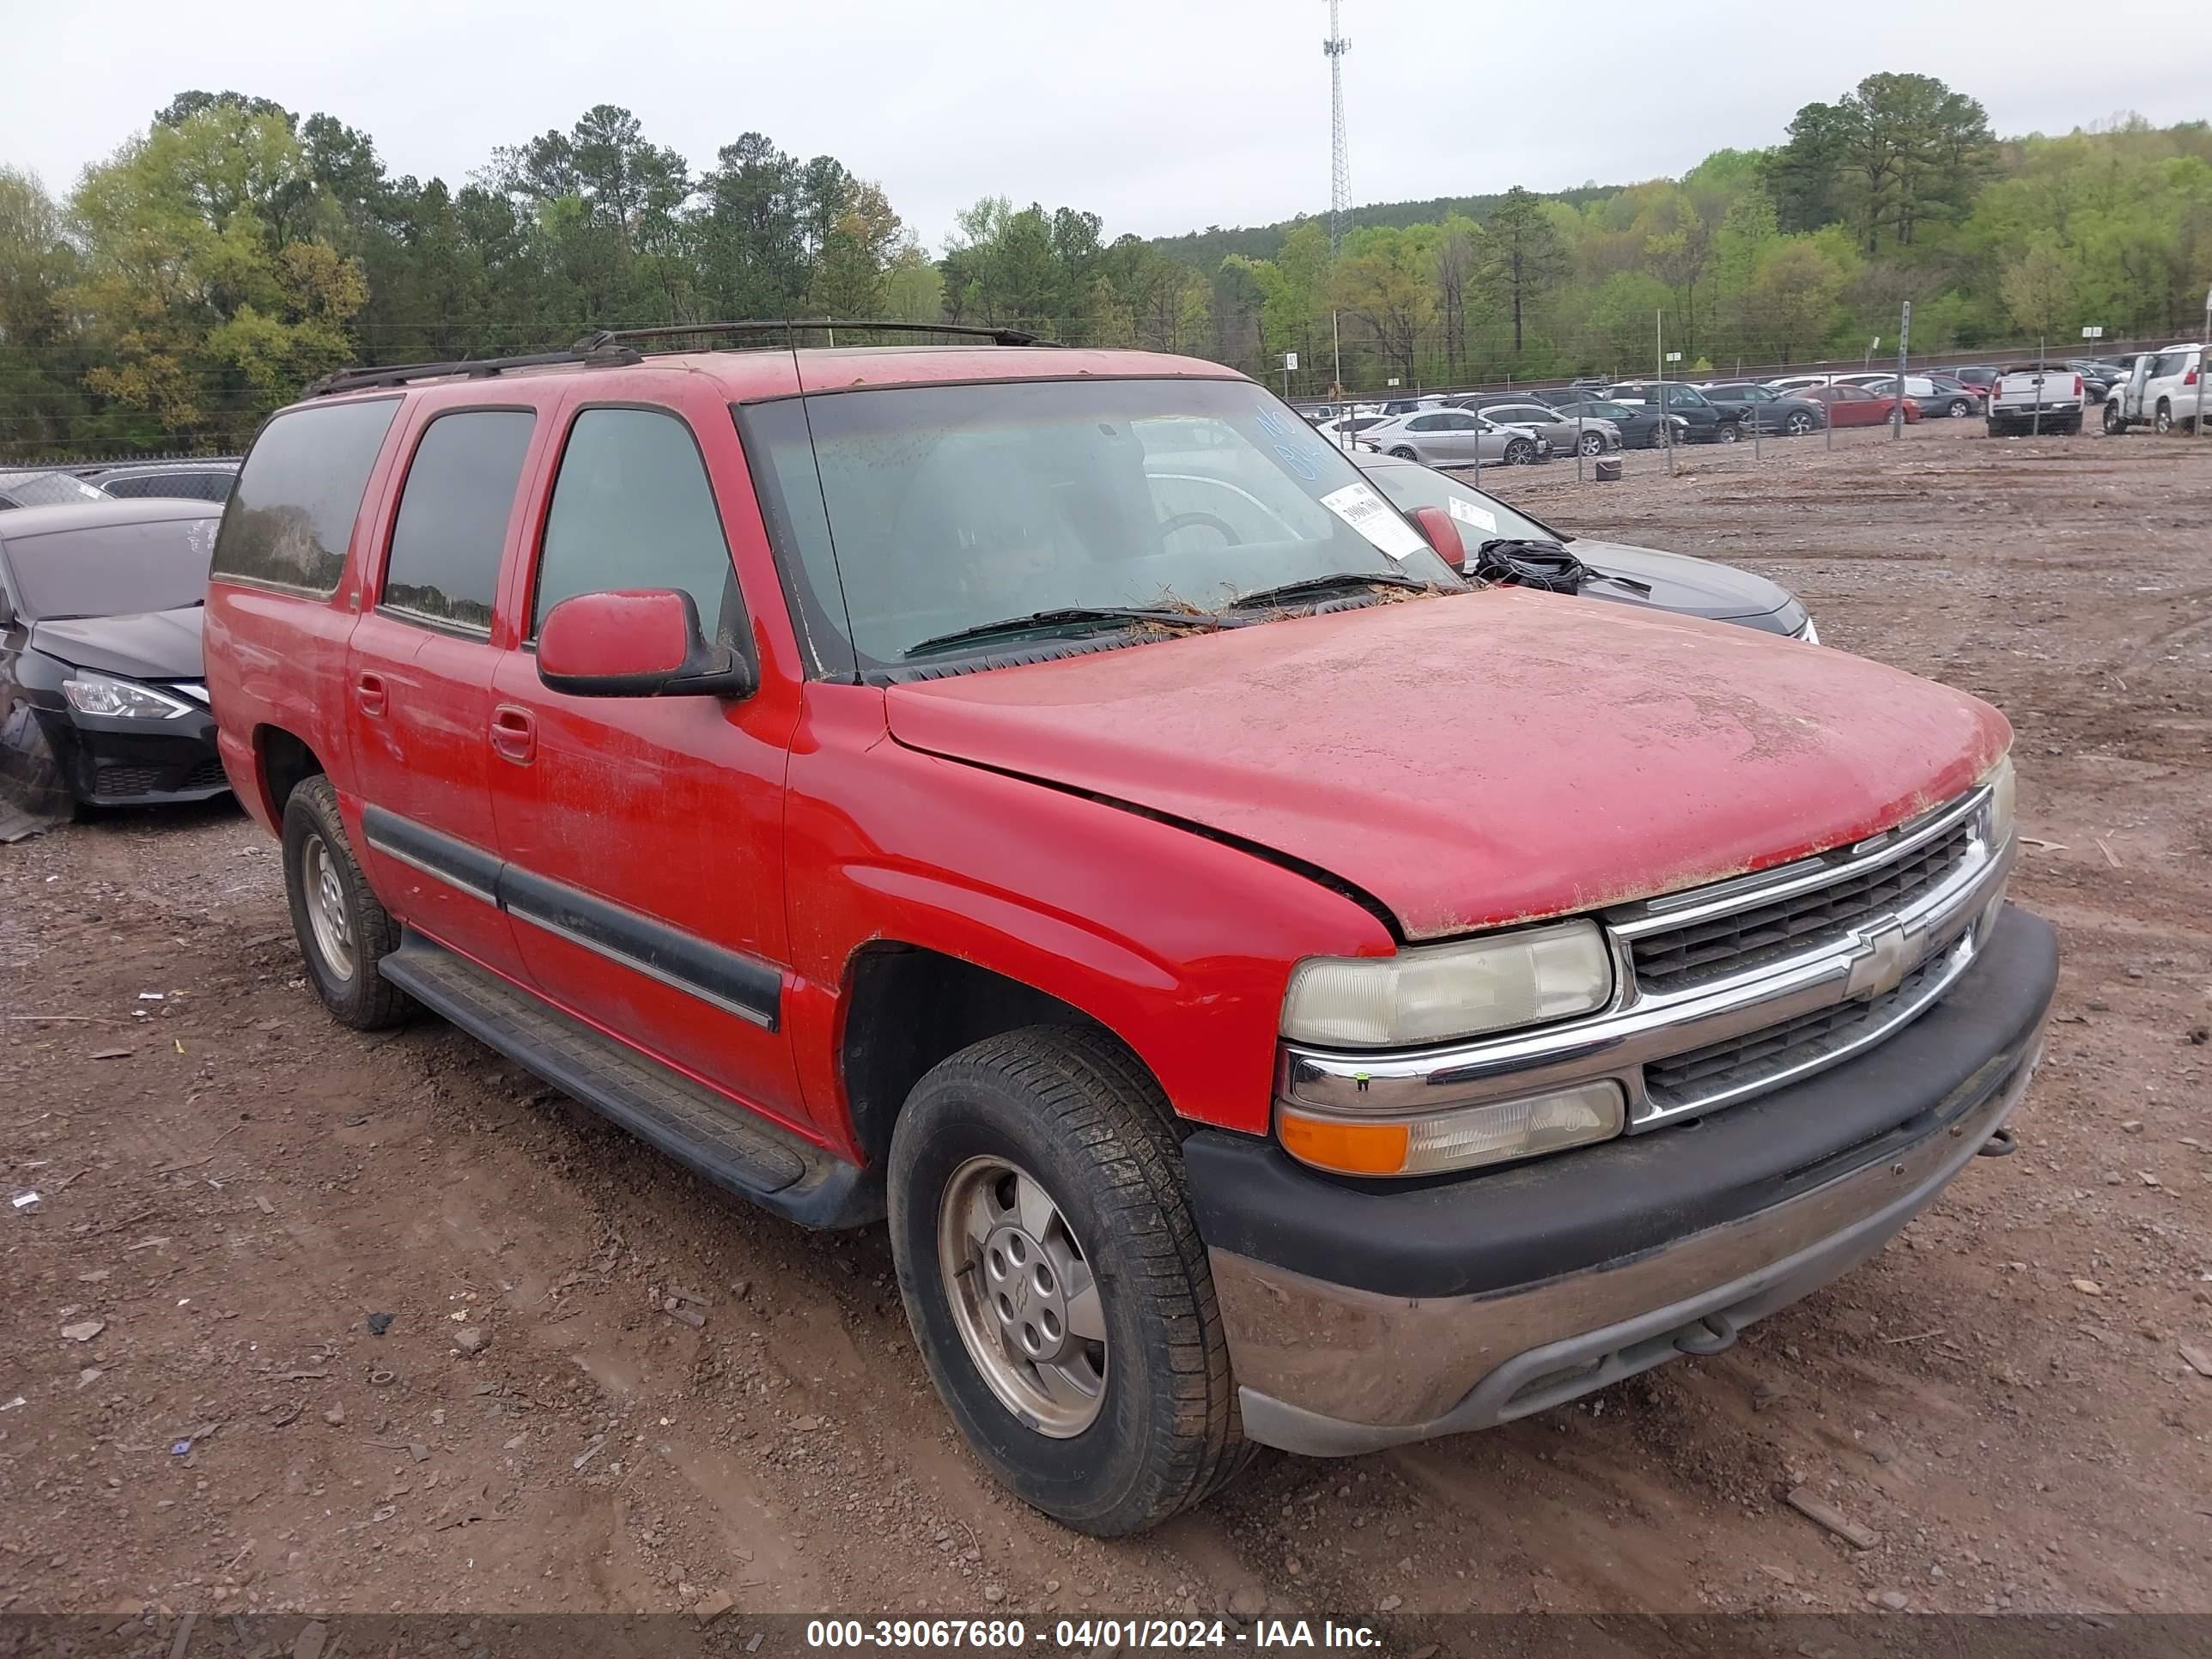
(1002, 789)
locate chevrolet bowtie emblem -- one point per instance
(1884, 956)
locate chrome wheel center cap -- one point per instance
(1026, 1294)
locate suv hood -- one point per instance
(1476, 760)
(1693, 587)
(152, 645)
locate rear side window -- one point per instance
(453, 509)
(292, 514)
(632, 508)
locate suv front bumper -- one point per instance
(1365, 1315)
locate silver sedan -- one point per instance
(1596, 436)
(1455, 437)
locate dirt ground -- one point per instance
(195, 1414)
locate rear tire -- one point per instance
(1045, 1160)
(1798, 424)
(343, 932)
(1959, 408)
(2164, 421)
(1405, 454)
(1593, 443)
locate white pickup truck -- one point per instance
(2162, 390)
(2036, 399)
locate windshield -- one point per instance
(942, 508)
(114, 570)
(1480, 518)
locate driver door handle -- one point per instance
(514, 734)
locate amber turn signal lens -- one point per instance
(1376, 1149)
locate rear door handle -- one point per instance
(514, 734)
(368, 691)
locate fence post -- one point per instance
(1897, 415)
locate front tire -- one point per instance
(1521, 451)
(1055, 1280)
(2115, 423)
(343, 932)
(1728, 432)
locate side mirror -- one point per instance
(1443, 534)
(636, 642)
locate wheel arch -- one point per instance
(282, 760)
(907, 1006)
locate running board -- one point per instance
(733, 1148)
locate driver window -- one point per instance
(632, 508)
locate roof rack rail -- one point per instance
(607, 337)
(353, 380)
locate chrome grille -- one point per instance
(1685, 958)
(1741, 1064)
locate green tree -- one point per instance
(2039, 291)
(1387, 278)
(41, 360)
(1523, 258)
(1793, 298)
(206, 318)
(847, 282)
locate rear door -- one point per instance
(418, 680)
(643, 836)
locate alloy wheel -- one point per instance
(1023, 1295)
(326, 910)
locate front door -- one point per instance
(643, 835)
(418, 684)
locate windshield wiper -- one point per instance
(1064, 616)
(1312, 584)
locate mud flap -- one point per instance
(33, 795)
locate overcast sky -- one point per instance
(1158, 115)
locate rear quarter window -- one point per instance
(292, 514)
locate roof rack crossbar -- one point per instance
(607, 337)
(353, 380)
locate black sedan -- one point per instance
(1639, 423)
(1762, 409)
(101, 699)
(1628, 575)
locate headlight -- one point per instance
(2002, 793)
(96, 693)
(1464, 1139)
(1435, 992)
(1809, 634)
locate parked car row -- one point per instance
(208, 480)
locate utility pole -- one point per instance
(1339, 169)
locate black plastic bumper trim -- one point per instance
(1531, 1222)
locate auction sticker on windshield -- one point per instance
(1374, 517)
(1468, 513)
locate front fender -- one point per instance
(1179, 944)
